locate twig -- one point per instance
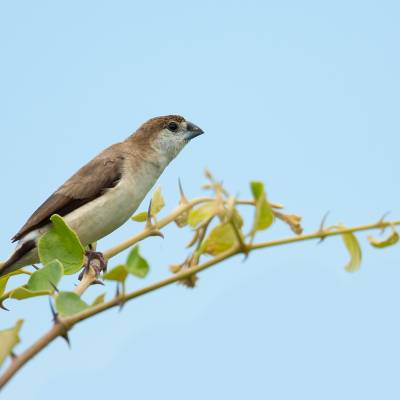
(88, 278)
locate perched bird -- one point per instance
(104, 193)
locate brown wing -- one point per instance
(102, 173)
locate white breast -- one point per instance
(108, 212)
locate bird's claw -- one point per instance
(100, 266)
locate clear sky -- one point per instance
(301, 94)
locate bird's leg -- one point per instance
(96, 255)
(99, 266)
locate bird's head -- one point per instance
(168, 134)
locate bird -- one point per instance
(104, 193)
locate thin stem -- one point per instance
(323, 234)
(87, 279)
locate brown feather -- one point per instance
(149, 130)
(18, 253)
(102, 173)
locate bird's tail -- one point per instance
(7, 267)
(12, 263)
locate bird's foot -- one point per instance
(95, 260)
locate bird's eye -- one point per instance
(172, 126)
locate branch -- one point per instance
(88, 278)
(62, 325)
(17, 362)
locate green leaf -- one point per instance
(392, 239)
(237, 218)
(140, 217)
(46, 278)
(4, 279)
(201, 214)
(136, 264)
(22, 293)
(63, 244)
(119, 273)
(220, 239)
(9, 338)
(354, 249)
(257, 189)
(157, 202)
(69, 303)
(39, 282)
(99, 299)
(264, 216)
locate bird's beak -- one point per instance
(193, 131)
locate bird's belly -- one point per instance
(108, 212)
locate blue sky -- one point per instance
(302, 95)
